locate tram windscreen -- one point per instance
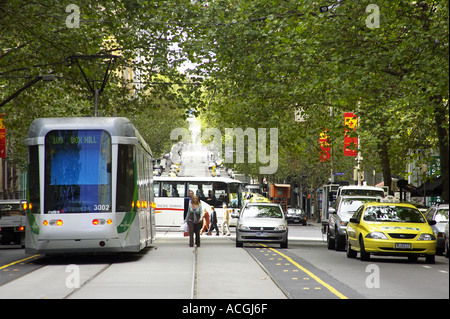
(77, 171)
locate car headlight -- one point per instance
(280, 227)
(427, 237)
(376, 235)
(243, 227)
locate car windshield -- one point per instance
(393, 214)
(351, 205)
(262, 212)
(441, 215)
(294, 211)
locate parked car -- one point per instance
(12, 221)
(262, 223)
(438, 213)
(394, 229)
(296, 215)
(339, 215)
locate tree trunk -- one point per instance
(385, 164)
(442, 134)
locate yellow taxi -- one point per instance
(259, 199)
(393, 229)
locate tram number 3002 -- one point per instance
(101, 207)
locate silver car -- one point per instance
(340, 214)
(262, 223)
(439, 213)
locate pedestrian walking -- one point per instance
(205, 222)
(187, 201)
(226, 221)
(194, 220)
(213, 219)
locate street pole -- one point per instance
(331, 150)
(96, 91)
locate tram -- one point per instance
(89, 187)
(170, 192)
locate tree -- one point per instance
(277, 54)
(39, 38)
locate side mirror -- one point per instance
(354, 220)
(331, 210)
(432, 222)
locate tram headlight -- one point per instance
(101, 221)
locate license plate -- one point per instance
(402, 246)
(262, 234)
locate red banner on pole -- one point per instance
(350, 143)
(325, 148)
(2, 137)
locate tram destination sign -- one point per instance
(87, 139)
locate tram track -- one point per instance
(194, 275)
(193, 291)
(87, 281)
(57, 277)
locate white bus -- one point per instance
(170, 194)
(357, 190)
(89, 187)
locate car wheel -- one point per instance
(330, 241)
(446, 250)
(430, 259)
(339, 241)
(284, 244)
(365, 256)
(350, 252)
(239, 243)
(413, 258)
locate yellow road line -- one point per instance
(320, 281)
(16, 262)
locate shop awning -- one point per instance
(432, 188)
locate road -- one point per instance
(220, 271)
(381, 277)
(306, 270)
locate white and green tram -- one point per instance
(89, 187)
